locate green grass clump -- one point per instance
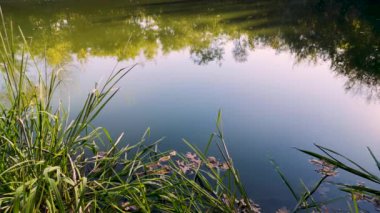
(51, 164)
(328, 164)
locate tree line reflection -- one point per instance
(345, 33)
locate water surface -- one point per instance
(284, 73)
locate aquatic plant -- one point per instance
(328, 163)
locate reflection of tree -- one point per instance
(240, 51)
(345, 32)
(203, 56)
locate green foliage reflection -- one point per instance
(345, 33)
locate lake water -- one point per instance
(284, 73)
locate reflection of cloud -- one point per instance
(60, 24)
(147, 23)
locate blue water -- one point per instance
(270, 104)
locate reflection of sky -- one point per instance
(269, 105)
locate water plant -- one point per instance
(328, 163)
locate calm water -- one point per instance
(285, 74)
